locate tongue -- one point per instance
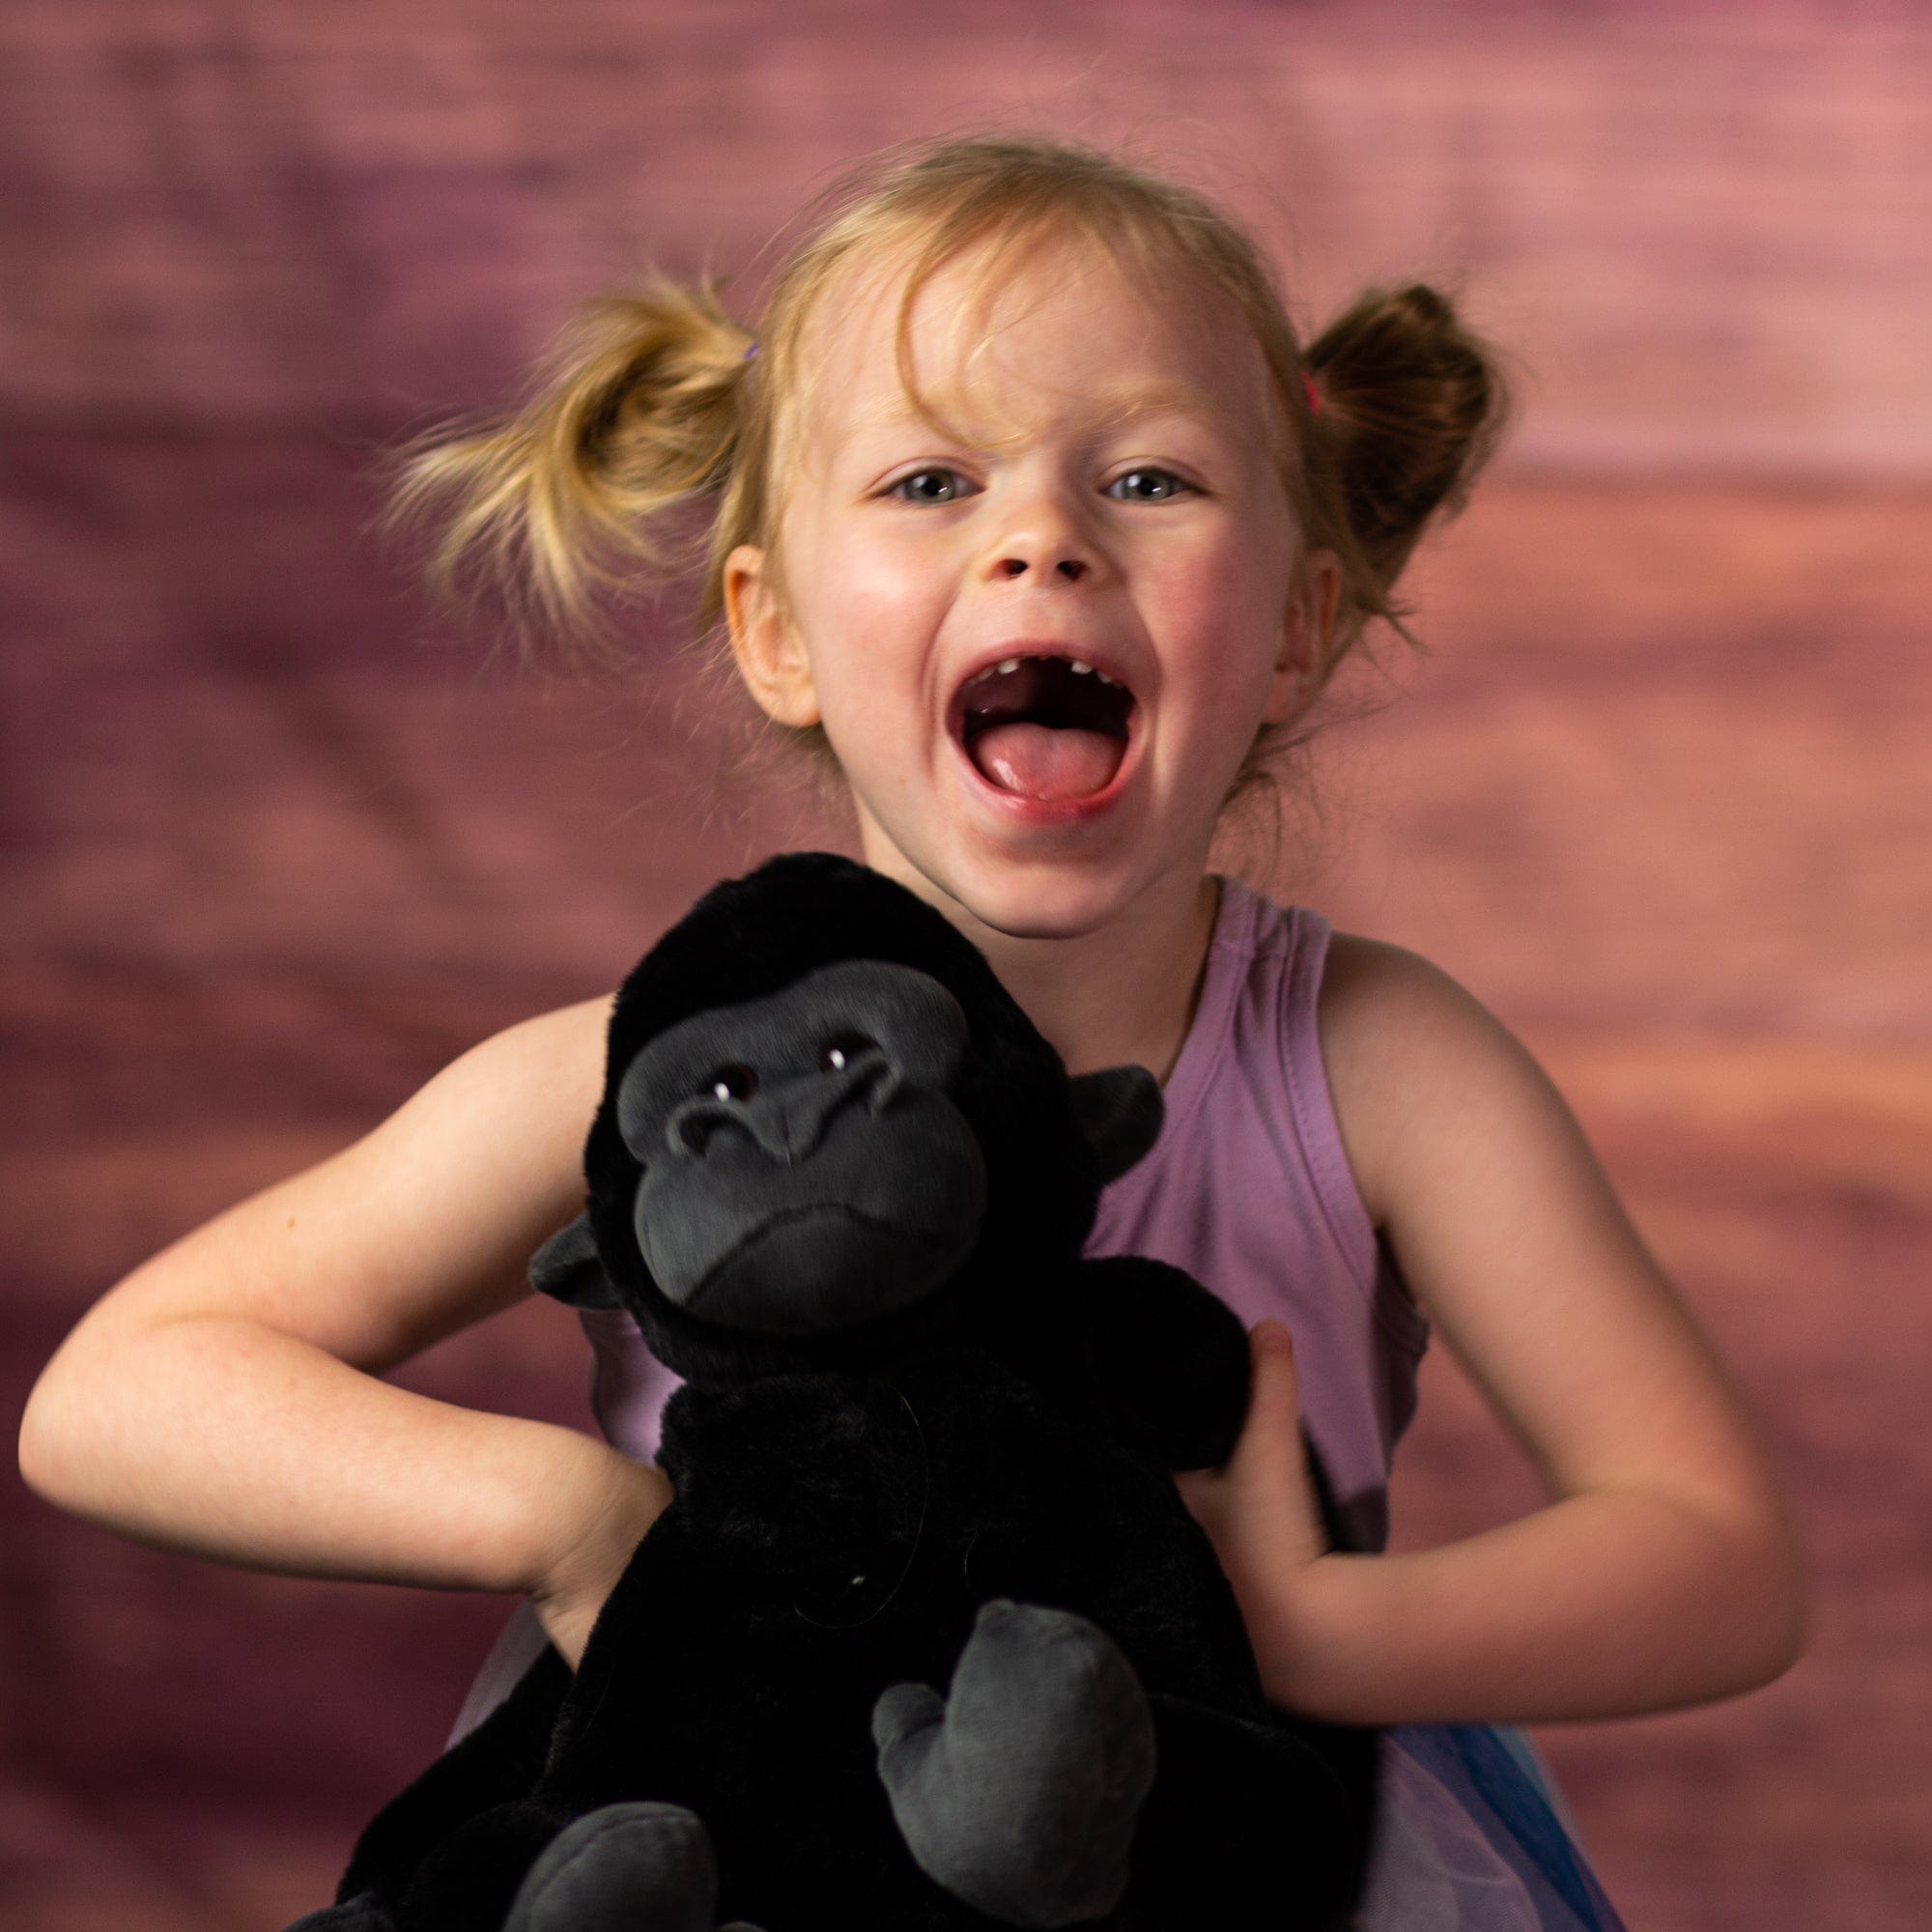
(1040, 761)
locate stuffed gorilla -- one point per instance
(927, 1639)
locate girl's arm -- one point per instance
(226, 1398)
(1667, 1569)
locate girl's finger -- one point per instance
(1275, 1387)
(1274, 1338)
(1274, 1430)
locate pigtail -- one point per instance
(1412, 404)
(635, 411)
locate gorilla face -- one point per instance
(827, 1133)
(803, 1167)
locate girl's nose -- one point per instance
(1043, 536)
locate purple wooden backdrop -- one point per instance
(280, 843)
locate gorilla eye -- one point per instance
(840, 1052)
(733, 1083)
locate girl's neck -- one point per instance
(1125, 992)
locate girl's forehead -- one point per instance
(1067, 325)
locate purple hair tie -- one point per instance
(751, 351)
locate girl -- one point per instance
(1030, 513)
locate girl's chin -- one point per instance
(1029, 885)
(1040, 907)
(1054, 891)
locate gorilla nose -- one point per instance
(787, 1122)
(793, 1119)
(801, 1110)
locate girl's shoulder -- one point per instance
(548, 1067)
(1403, 1045)
(569, 1036)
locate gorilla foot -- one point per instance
(624, 1868)
(360, 1914)
(1020, 1791)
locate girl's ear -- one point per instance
(770, 658)
(1306, 637)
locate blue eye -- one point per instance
(949, 479)
(1167, 484)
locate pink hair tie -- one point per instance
(1314, 394)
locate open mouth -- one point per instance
(1045, 727)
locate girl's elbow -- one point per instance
(61, 1436)
(1754, 1564)
(37, 1450)
(1800, 1611)
(1783, 1605)
(1750, 1590)
(46, 1460)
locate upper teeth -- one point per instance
(1077, 665)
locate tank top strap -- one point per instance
(1312, 1102)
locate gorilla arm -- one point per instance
(1170, 1360)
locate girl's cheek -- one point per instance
(881, 583)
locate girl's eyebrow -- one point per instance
(1151, 399)
(1111, 409)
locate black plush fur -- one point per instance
(845, 1503)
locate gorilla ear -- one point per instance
(568, 1268)
(1120, 1112)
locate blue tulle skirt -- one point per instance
(1475, 1838)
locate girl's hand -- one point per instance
(1260, 1509)
(621, 1499)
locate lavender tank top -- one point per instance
(1249, 1189)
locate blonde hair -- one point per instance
(652, 405)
